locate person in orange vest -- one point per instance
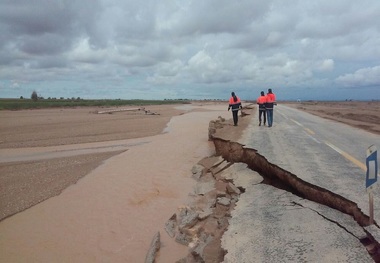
(235, 104)
(271, 101)
(262, 110)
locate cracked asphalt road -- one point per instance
(328, 154)
(272, 225)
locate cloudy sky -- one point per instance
(170, 49)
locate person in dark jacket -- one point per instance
(235, 105)
(262, 110)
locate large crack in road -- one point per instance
(274, 175)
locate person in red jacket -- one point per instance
(235, 104)
(262, 110)
(271, 101)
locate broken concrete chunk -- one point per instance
(224, 201)
(232, 189)
(219, 161)
(234, 199)
(193, 232)
(221, 194)
(183, 238)
(202, 188)
(201, 243)
(154, 247)
(203, 215)
(211, 199)
(187, 218)
(171, 225)
(241, 176)
(197, 171)
(220, 167)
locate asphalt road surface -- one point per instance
(325, 153)
(272, 225)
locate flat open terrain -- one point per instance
(361, 114)
(62, 126)
(24, 184)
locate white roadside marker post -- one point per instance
(371, 177)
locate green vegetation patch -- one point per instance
(20, 104)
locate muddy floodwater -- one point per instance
(112, 213)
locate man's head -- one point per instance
(262, 93)
(269, 90)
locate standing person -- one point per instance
(262, 111)
(235, 104)
(271, 101)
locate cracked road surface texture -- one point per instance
(272, 225)
(286, 227)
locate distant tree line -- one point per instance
(34, 96)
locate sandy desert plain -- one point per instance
(26, 183)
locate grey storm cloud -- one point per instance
(361, 77)
(187, 48)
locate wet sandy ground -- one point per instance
(111, 214)
(41, 152)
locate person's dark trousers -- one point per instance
(263, 113)
(235, 116)
(270, 117)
